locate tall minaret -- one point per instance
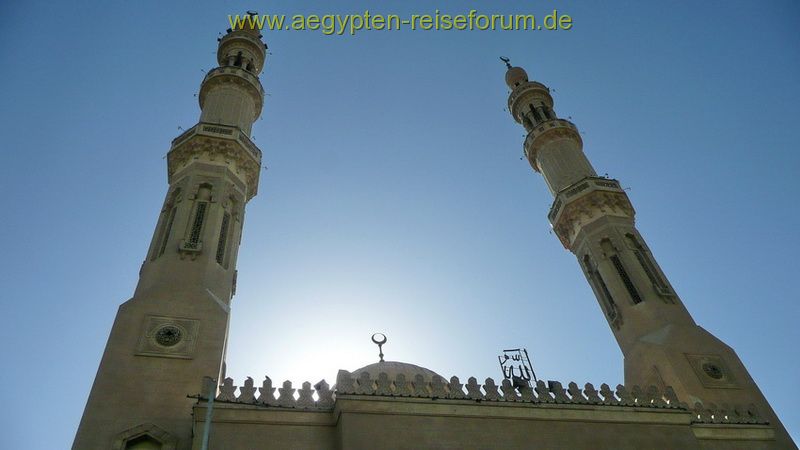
(594, 219)
(173, 331)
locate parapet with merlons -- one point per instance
(322, 397)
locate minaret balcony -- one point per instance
(581, 203)
(525, 93)
(543, 133)
(217, 130)
(235, 75)
(238, 39)
(217, 143)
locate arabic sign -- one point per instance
(516, 366)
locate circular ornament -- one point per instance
(713, 370)
(168, 335)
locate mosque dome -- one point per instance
(394, 368)
(516, 76)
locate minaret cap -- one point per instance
(249, 25)
(516, 76)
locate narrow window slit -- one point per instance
(223, 239)
(197, 225)
(626, 280)
(166, 232)
(605, 295)
(648, 266)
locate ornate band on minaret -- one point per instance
(173, 332)
(594, 219)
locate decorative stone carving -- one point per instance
(247, 392)
(575, 393)
(364, 386)
(712, 371)
(711, 413)
(714, 413)
(305, 397)
(286, 397)
(608, 395)
(753, 415)
(170, 337)
(227, 391)
(509, 393)
(700, 413)
(734, 414)
(324, 395)
(456, 390)
(559, 393)
(653, 397)
(625, 398)
(526, 394)
(384, 385)
(266, 392)
(403, 387)
(592, 394)
(474, 389)
(671, 398)
(235, 152)
(345, 383)
(490, 389)
(543, 393)
(637, 395)
(581, 211)
(420, 386)
(437, 387)
(726, 413)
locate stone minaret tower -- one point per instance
(594, 219)
(173, 331)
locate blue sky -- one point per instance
(395, 199)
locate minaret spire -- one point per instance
(594, 219)
(173, 332)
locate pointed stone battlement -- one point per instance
(322, 397)
(553, 392)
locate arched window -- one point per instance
(596, 280)
(200, 209)
(144, 437)
(226, 231)
(143, 443)
(526, 122)
(223, 240)
(536, 116)
(166, 225)
(649, 267)
(610, 251)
